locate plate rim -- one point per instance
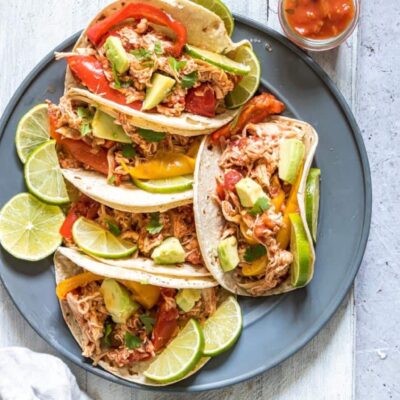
(357, 259)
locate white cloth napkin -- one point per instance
(26, 375)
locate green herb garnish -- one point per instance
(148, 322)
(154, 226)
(111, 180)
(132, 341)
(128, 151)
(176, 65)
(86, 117)
(151, 136)
(113, 228)
(158, 48)
(108, 327)
(255, 252)
(141, 54)
(189, 80)
(260, 206)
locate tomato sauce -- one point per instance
(319, 19)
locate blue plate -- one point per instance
(275, 327)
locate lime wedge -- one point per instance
(97, 241)
(43, 175)
(222, 329)
(300, 248)
(32, 130)
(168, 185)
(223, 62)
(180, 356)
(312, 200)
(248, 85)
(219, 8)
(29, 228)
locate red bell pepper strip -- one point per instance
(66, 227)
(91, 73)
(138, 11)
(201, 101)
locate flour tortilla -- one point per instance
(205, 29)
(66, 268)
(208, 216)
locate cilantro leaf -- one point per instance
(260, 206)
(255, 252)
(128, 151)
(117, 82)
(108, 327)
(141, 54)
(176, 65)
(189, 80)
(154, 226)
(86, 117)
(132, 341)
(111, 180)
(158, 48)
(151, 136)
(148, 322)
(113, 228)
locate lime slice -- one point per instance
(300, 248)
(43, 175)
(180, 356)
(248, 85)
(167, 185)
(312, 200)
(222, 329)
(32, 130)
(97, 241)
(236, 67)
(219, 8)
(29, 228)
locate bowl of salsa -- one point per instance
(318, 24)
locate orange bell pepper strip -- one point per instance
(146, 295)
(69, 284)
(254, 111)
(279, 195)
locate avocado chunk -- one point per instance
(116, 54)
(104, 127)
(249, 191)
(228, 253)
(170, 251)
(156, 93)
(118, 301)
(291, 154)
(187, 298)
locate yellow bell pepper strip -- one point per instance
(146, 295)
(279, 198)
(244, 230)
(69, 284)
(255, 268)
(194, 149)
(292, 206)
(163, 165)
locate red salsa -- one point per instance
(319, 19)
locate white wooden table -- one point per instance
(324, 369)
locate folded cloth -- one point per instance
(26, 375)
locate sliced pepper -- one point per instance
(146, 295)
(138, 11)
(69, 284)
(163, 165)
(256, 267)
(278, 194)
(249, 238)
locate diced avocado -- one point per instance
(118, 301)
(156, 93)
(116, 54)
(249, 192)
(228, 253)
(104, 127)
(187, 298)
(170, 251)
(291, 154)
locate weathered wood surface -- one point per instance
(324, 369)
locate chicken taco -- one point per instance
(163, 64)
(249, 201)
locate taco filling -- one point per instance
(127, 60)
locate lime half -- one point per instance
(29, 228)
(222, 329)
(312, 200)
(180, 356)
(167, 185)
(95, 240)
(32, 131)
(248, 85)
(43, 175)
(301, 251)
(219, 8)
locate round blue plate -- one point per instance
(275, 327)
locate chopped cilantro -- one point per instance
(132, 341)
(255, 252)
(176, 65)
(128, 151)
(86, 117)
(158, 48)
(260, 206)
(113, 228)
(148, 322)
(108, 327)
(154, 226)
(111, 180)
(151, 136)
(189, 80)
(141, 54)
